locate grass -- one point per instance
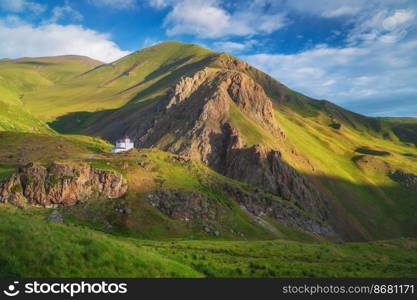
(102, 166)
(21, 76)
(14, 117)
(147, 73)
(36, 248)
(40, 249)
(6, 173)
(252, 133)
(19, 148)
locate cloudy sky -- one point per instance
(361, 54)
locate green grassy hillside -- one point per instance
(147, 171)
(138, 77)
(25, 75)
(36, 248)
(348, 157)
(18, 148)
(358, 183)
(13, 117)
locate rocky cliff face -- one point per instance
(263, 167)
(200, 209)
(60, 184)
(197, 118)
(194, 119)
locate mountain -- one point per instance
(304, 163)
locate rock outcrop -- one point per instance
(195, 120)
(199, 118)
(409, 180)
(263, 167)
(261, 204)
(183, 205)
(60, 184)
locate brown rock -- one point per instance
(60, 184)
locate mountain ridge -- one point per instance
(239, 121)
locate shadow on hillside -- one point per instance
(168, 80)
(367, 211)
(77, 122)
(406, 133)
(36, 63)
(357, 211)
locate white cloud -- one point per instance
(385, 25)
(53, 39)
(349, 76)
(340, 11)
(399, 18)
(208, 19)
(148, 42)
(65, 11)
(118, 4)
(235, 47)
(374, 71)
(158, 3)
(18, 6)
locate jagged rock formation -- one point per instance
(60, 184)
(194, 119)
(183, 205)
(200, 209)
(261, 204)
(407, 179)
(265, 168)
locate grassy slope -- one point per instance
(18, 148)
(40, 249)
(21, 76)
(326, 154)
(36, 248)
(138, 77)
(146, 171)
(376, 205)
(15, 118)
(358, 185)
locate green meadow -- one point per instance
(36, 248)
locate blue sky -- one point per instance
(361, 54)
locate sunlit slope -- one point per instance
(352, 168)
(25, 75)
(140, 76)
(20, 148)
(13, 117)
(348, 156)
(148, 171)
(19, 76)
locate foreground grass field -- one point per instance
(36, 248)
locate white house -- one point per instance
(123, 144)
